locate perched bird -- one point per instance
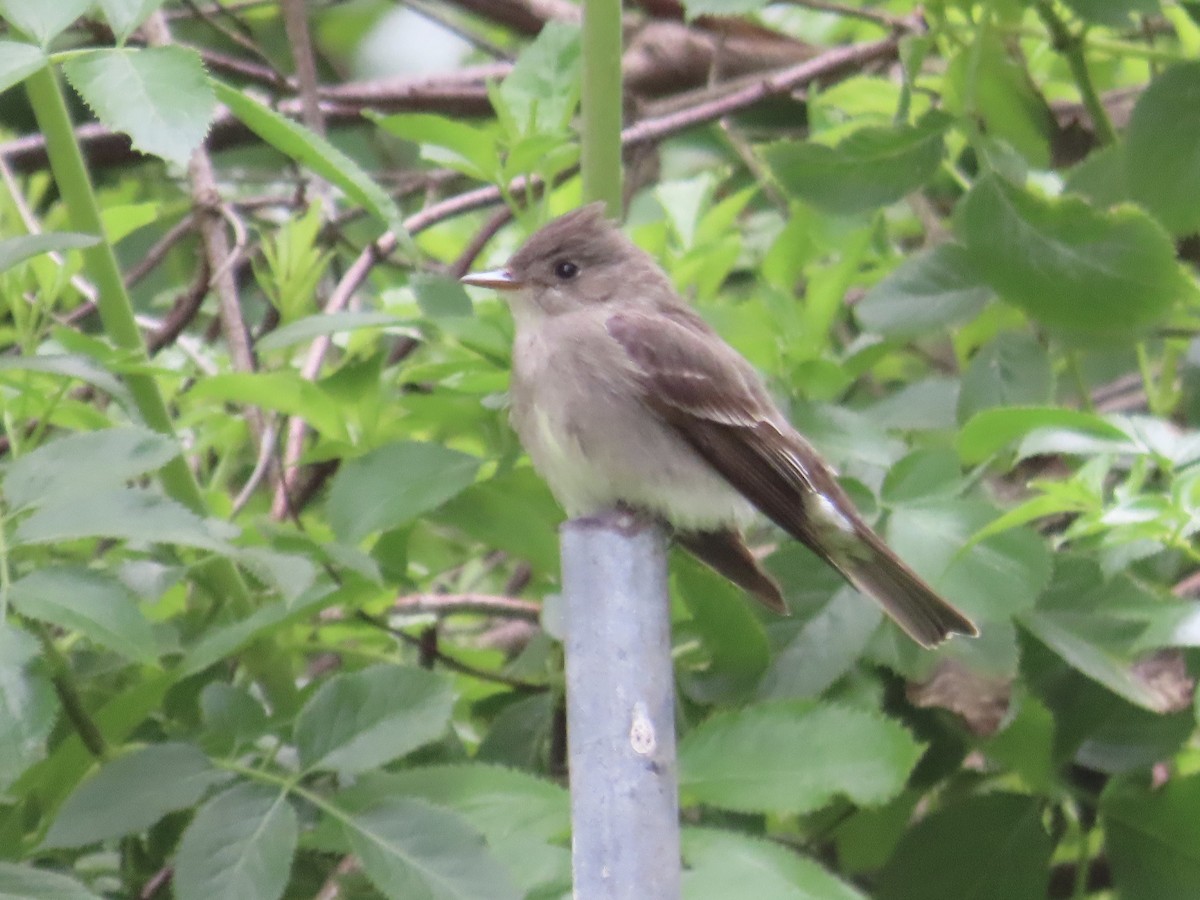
(624, 396)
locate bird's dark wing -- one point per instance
(700, 386)
(705, 390)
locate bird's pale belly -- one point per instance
(617, 451)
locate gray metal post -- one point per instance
(620, 710)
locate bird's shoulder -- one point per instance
(685, 367)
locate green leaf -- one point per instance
(115, 455)
(1113, 13)
(542, 90)
(1108, 274)
(130, 515)
(722, 865)
(29, 704)
(17, 62)
(734, 638)
(326, 323)
(989, 847)
(316, 153)
(873, 167)
(440, 297)
(239, 845)
(990, 580)
(358, 721)
(985, 84)
(513, 511)
(795, 756)
(289, 573)
(1012, 370)
(498, 801)
(992, 430)
(130, 793)
(393, 485)
(159, 96)
(71, 366)
(447, 142)
(1161, 163)
(928, 292)
(413, 850)
(824, 650)
(1152, 836)
(43, 21)
(27, 883)
(283, 391)
(220, 642)
(91, 602)
(1096, 662)
(124, 16)
(697, 8)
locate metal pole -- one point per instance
(620, 710)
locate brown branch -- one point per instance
(469, 604)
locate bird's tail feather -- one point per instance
(916, 607)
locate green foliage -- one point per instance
(272, 661)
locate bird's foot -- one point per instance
(626, 519)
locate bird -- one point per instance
(625, 398)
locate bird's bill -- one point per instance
(498, 279)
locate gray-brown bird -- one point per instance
(623, 395)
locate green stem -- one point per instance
(63, 680)
(1071, 46)
(602, 98)
(116, 314)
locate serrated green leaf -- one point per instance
(17, 62)
(444, 141)
(239, 845)
(159, 96)
(542, 90)
(1161, 164)
(283, 391)
(871, 168)
(735, 639)
(115, 455)
(289, 573)
(1107, 274)
(722, 865)
(316, 153)
(29, 704)
(365, 719)
(393, 485)
(91, 602)
(990, 580)
(327, 323)
(131, 515)
(19, 882)
(1096, 662)
(928, 292)
(1012, 370)
(824, 650)
(992, 430)
(130, 793)
(420, 852)
(795, 756)
(72, 366)
(1152, 836)
(124, 16)
(43, 21)
(988, 847)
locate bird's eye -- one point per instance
(565, 269)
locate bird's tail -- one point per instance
(916, 607)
